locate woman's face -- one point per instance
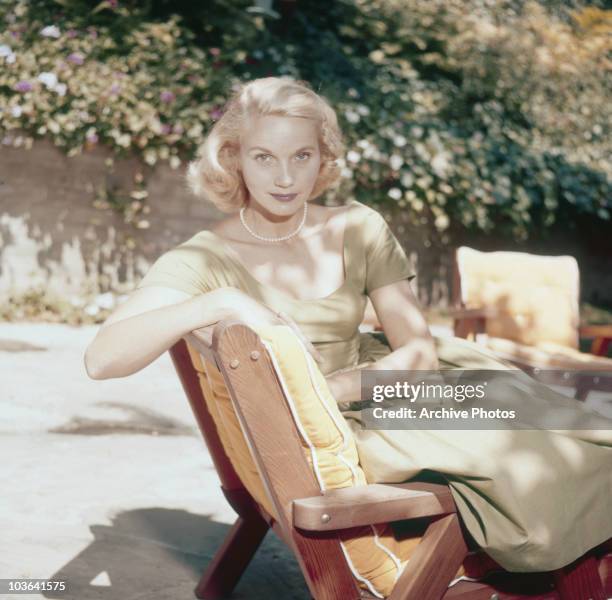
(280, 155)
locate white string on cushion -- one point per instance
(311, 447)
(296, 419)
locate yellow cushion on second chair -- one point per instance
(535, 297)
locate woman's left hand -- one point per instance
(345, 386)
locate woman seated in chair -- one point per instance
(533, 499)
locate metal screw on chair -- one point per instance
(494, 597)
(255, 355)
(325, 518)
(234, 363)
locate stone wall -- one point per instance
(53, 238)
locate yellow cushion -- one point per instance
(376, 554)
(535, 297)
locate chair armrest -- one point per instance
(373, 503)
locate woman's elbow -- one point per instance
(424, 356)
(432, 354)
(428, 361)
(92, 367)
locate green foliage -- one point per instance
(474, 114)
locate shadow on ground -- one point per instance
(161, 553)
(140, 420)
(19, 346)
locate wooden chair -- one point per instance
(528, 307)
(308, 521)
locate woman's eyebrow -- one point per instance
(266, 150)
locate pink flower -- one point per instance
(72, 33)
(214, 51)
(178, 128)
(166, 129)
(113, 3)
(167, 96)
(92, 137)
(92, 32)
(115, 88)
(23, 86)
(76, 58)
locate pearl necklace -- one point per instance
(271, 239)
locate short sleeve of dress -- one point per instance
(386, 261)
(183, 268)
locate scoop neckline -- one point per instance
(233, 254)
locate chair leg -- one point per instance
(579, 580)
(434, 562)
(232, 558)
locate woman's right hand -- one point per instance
(253, 313)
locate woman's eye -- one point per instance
(264, 157)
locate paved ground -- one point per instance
(108, 484)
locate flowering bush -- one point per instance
(461, 114)
(478, 115)
(149, 92)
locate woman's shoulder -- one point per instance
(357, 210)
(199, 249)
(192, 266)
(200, 239)
(365, 212)
(367, 220)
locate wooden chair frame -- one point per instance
(469, 322)
(308, 520)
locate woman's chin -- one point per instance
(281, 207)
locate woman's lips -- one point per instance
(284, 197)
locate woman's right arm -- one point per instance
(150, 322)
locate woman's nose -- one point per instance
(284, 177)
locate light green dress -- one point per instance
(535, 500)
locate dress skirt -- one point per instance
(533, 499)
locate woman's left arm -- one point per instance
(406, 329)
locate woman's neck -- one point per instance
(269, 225)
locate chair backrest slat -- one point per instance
(274, 441)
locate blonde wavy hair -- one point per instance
(215, 173)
